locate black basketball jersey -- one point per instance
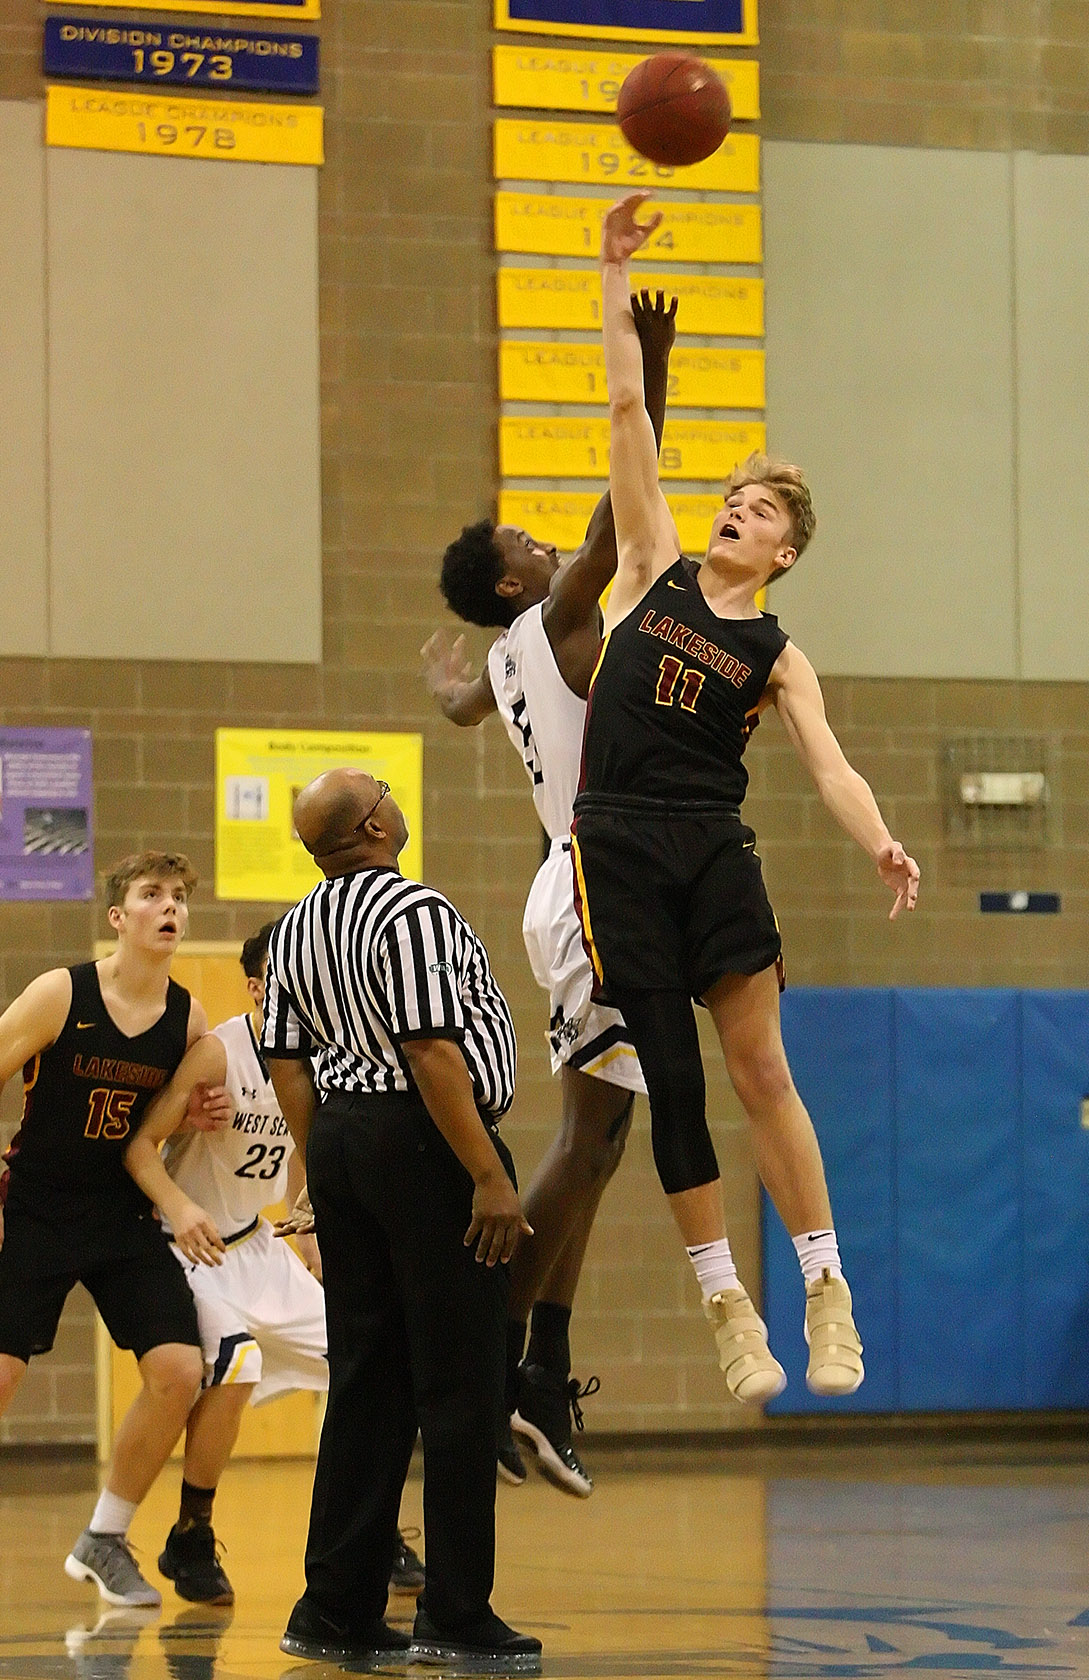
(674, 700)
(83, 1100)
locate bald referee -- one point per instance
(386, 986)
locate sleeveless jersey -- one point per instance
(674, 701)
(233, 1174)
(542, 716)
(83, 1100)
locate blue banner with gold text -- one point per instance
(119, 50)
(692, 22)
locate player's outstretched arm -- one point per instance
(195, 1233)
(797, 696)
(466, 699)
(646, 537)
(572, 609)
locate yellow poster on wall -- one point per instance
(258, 773)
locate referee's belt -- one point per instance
(246, 1231)
(562, 843)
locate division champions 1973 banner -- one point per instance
(693, 22)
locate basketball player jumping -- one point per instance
(671, 895)
(261, 1310)
(95, 1043)
(537, 676)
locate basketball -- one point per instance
(673, 109)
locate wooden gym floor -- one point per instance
(950, 1557)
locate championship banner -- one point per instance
(553, 225)
(555, 298)
(258, 774)
(558, 79)
(174, 126)
(287, 10)
(695, 23)
(553, 372)
(45, 814)
(117, 50)
(525, 149)
(543, 446)
(561, 516)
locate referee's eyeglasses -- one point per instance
(384, 786)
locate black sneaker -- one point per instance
(190, 1560)
(486, 1647)
(510, 1463)
(407, 1574)
(547, 1403)
(310, 1632)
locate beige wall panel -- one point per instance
(183, 391)
(889, 337)
(24, 590)
(1052, 245)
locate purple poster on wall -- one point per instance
(45, 814)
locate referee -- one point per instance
(386, 987)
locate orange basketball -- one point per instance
(673, 109)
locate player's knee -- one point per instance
(172, 1373)
(762, 1081)
(594, 1149)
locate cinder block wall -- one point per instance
(409, 409)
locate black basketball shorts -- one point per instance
(670, 903)
(135, 1282)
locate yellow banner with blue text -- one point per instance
(532, 149)
(547, 446)
(258, 774)
(558, 298)
(575, 373)
(172, 125)
(558, 79)
(553, 225)
(561, 516)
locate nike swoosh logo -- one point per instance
(673, 585)
(815, 1236)
(81, 1024)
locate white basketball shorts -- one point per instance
(581, 1034)
(262, 1317)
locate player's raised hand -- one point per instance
(300, 1221)
(655, 321)
(901, 873)
(197, 1237)
(210, 1108)
(621, 234)
(445, 663)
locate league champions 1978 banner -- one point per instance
(692, 22)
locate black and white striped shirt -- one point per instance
(369, 960)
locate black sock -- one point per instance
(548, 1338)
(516, 1346)
(196, 1506)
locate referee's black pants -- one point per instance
(417, 1332)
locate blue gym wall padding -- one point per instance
(959, 1170)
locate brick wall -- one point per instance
(409, 408)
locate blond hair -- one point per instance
(147, 866)
(788, 483)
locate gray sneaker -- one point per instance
(106, 1560)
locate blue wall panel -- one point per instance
(1056, 1164)
(960, 1199)
(840, 1046)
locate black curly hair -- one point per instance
(471, 568)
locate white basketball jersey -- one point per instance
(233, 1174)
(543, 718)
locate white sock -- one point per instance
(714, 1267)
(112, 1514)
(818, 1251)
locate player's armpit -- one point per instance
(198, 1022)
(34, 1021)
